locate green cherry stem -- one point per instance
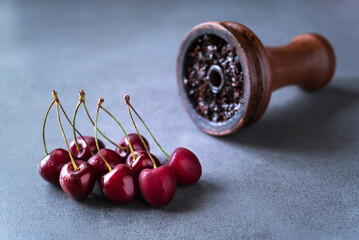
(127, 100)
(74, 123)
(100, 101)
(56, 99)
(82, 100)
(43, 126)
(143, 122)
(128, 140)
(73, 127)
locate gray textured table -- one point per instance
(293, 175)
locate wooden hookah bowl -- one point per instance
(225, 75)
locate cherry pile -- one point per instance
(124, 172)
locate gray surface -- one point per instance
(294, 175)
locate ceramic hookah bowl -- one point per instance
(225, 75)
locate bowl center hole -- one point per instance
(215, 77)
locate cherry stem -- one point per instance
(127, 99)
(73, 124)
(73, 127)
(100, 101)
(143, 122)
(88, 114)
(43, 126)
(128, 140)
(56, 99)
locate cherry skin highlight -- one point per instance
(135, 143)
(77, 184)
(141, 162)
(186, 166)
(120, 185)
(99, 166)
(85, 151)
(158, 186)
(50, 166)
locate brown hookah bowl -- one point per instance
(308, 61)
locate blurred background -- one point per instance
(293, 175)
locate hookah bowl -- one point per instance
(225, 75)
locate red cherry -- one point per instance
(141, 162)
(77, 184)
(99, 166)
(120, 185)
(50, 166)
(158, 186)
(85, 151)
(135, 143)
(185, 165)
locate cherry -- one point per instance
(76, 177)
(78, 184)
(142, 161)
(50, 166)
(185, 165)
(86, 150)
(158, 186)
(120, 185)
(135, 141)
(99, 166)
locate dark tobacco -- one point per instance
(222, 104)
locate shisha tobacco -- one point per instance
(214, 97)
